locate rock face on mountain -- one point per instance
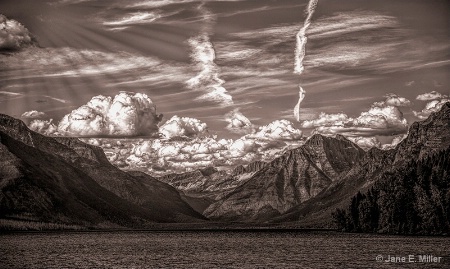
(65, 181)
(426, 137)
(210, 182)
(394, 172)
(289, 180)
(202, 187)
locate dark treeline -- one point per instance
(411, 199)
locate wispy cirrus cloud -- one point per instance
(75, 63)
(355, 40)
(341, 24)
(203, 55)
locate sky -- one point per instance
(227, 71)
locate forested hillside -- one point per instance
(411, 199)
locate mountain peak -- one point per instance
(315, 139)
(15, 128)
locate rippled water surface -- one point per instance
(218, 250)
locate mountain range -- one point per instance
(328, 182)
(63, 180)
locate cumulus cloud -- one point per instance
(242, 147)
(182, 126)
(33, 114)
(277, 130)
(430, 107)
(395, 100)
(128, 114)
(433, 95)
(238, 123)
(45, 127)
(13, 35)
(366, 142)
(381, 117)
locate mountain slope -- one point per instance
(66, 181)
(289, 180)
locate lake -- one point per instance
(219, 249)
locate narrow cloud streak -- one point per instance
(70, 62)
(300, 49)
(134, 18)
(300, 52)
(297, 107)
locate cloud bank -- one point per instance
(383, 118)
(433, 95)
(197, 149)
